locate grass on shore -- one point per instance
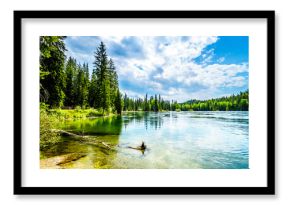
(78, 113)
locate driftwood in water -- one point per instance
(54, 162)
(65, 133)
(141, 148)
(83, 139)
(88, 140)
(106, 145)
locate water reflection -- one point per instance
(174, 139)
(111, 125)
(150, 119)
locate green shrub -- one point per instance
(93, 113)
(47, 136)
(78, 108)
(43, 106)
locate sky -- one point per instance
(176, 67)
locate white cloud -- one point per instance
(174, 59)
(166, 66)
(218, 75)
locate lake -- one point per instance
(177, 140)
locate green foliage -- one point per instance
(69, 84)
(52, 59)
(118, 102)
(104, 82)
(43, 74)
(70, 72)
(80, 88)
(113, 80)
(238, 102)
(146, 104)
(93, 91)
(102, 86)
(47, 122)
(156, 104)
(78, 108)
(43, 106)
(77, 84)
(93, 113)
(77, 113)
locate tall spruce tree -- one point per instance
(118, 102)
(155, 104)
(126, 103)
(86, 83)
(103, 79)
(80, 87)
(93, 100)
(70, 71)
(113, 82)
(146, 105)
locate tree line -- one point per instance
(238, 102)
(68, 83)
(156, 103)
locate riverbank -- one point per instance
(51, 119)
(70, 114)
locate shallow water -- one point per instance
(207, 140)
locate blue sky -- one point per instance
(177, 67)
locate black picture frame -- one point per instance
(19, 189)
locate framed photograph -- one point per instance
(144, 102)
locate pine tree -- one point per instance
(155, 104)
(86, 84)
(126, 105)
(151, 103)
(146, 103)
(80, 87)
(69, 76)
(113, 78)
(118, 102)
(93, 100)
(103, 79)
(159, 102)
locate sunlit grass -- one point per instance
(66, 114)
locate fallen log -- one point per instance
(106, 145)
(83, 139)
(89, 140)
(65, 133)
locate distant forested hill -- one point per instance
(238, 102)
